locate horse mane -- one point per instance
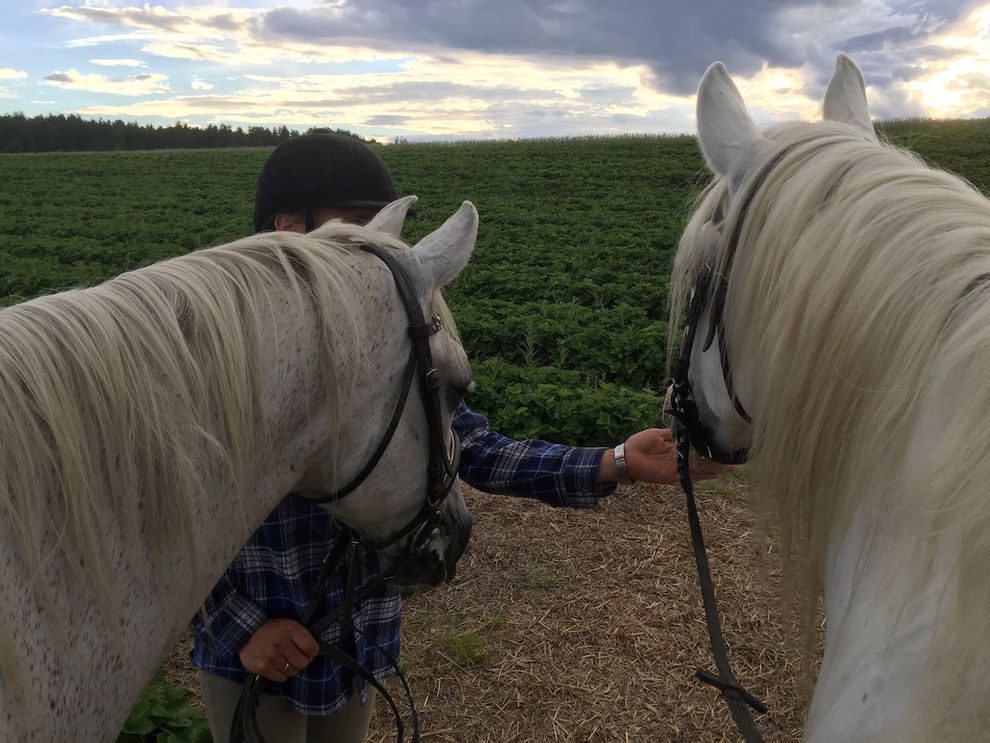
(860, 297)
(116, 399)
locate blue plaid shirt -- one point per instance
(272, 576)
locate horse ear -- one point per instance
(727, 133)
(392, 217)
(445, 252)
(845, 99)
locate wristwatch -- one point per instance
(620, 464)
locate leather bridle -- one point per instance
(682, 403)
(441, 475)
(710, 291)
(692, 432)
(442, 469)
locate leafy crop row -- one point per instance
(562, 308)
(619, 344)
(570, 272)
(560, 405)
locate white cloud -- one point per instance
(196, 51)
(89, 41)
(6, 73)
(200, 84)
(491, 96)
(118, 62)
(136, 85)
(197, 21)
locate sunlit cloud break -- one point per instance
(961, 84)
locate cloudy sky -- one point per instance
(445, 69)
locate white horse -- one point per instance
(856, 331)
(150, 423)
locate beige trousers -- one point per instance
(279, 722)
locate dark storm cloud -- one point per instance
(881, 39)
(677, 40)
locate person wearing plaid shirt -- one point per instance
(250, 621)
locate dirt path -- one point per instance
(567, 625)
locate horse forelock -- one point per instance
(858, 302)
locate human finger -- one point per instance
(304, 642)
(296, 659)
(274, 671)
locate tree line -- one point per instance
(61, 133)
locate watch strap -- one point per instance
(619, 453)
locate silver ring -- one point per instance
(286, 667)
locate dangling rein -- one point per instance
(712, 286)
(691, 430)
(736, 696)
(441, 475)
(244, 726)
(684, 409)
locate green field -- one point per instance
(563, 307)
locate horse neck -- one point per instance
(155, 583)
(884, 596)
(297, 423)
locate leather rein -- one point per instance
(441, 475)
(693, 432)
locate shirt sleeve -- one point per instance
(553, 473)
(228, 618)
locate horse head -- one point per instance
(394, 479)
(834, 284)
(715, 363)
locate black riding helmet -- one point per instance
(320, 171)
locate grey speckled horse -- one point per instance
(150, 423)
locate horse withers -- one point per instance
(841, 335)
(150, 423)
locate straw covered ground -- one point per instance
(587, 625)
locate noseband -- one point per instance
(441, 474)
(682, 404)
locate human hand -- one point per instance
(280, 648)
(651, 456)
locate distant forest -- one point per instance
(60, 133)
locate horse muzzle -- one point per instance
(434, 560)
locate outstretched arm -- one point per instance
(557, 474)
